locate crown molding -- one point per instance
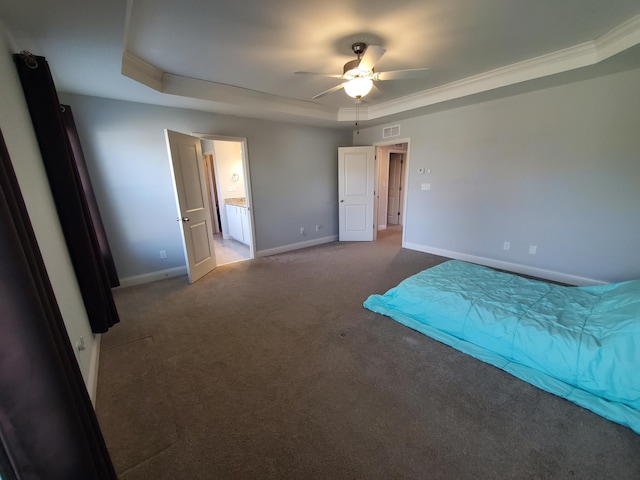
(617, 40)
(137, 69)
(147, 74)
(230, 94)
(538, 67)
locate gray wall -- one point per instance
(292, 167)
(557, 168)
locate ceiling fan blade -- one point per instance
(371, 56)
(331, 90)
(332, 75)
(413, 73)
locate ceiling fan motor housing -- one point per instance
(359, 48)
(351, 65)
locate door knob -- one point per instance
(184, 219)
(341, 201)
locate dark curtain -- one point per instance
(48, 428)
(66, 187)
(87, 188)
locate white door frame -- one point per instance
(247, 179)
(405, 179)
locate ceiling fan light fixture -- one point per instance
(359, 74)
(358, 87)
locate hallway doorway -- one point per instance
(392, 165)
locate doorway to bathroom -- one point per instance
(226, 170)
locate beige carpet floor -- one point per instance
(271, 369)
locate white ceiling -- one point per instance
(238, 57)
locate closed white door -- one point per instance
(356, 193)
(395, 179)
(194, 215)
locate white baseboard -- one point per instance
(512, 267)
(92, 380)
(382, 227)
(296, 246)
(152, 276)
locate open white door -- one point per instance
(356, 193)
(185, 155)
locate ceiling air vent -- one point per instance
(393, 131)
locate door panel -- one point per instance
(356, 217)
(355, 183)
(200, 240)
(190, 170)
(356, 193)
(194, 214)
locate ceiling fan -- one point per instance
(359, 74)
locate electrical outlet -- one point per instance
(506, 246)
(301, 230)
(163, 254)
(426, 186)
(533, 249)
(318, 227)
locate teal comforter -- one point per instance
(581, 343)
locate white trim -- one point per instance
(618, 39)
(512, 267)
(407, 158)
(141, 71)
(386, 143)
(92, 380)
(238, 96)
(538, 67)
(382, 227)
(152, 276)
(246, 170)
(296, 246)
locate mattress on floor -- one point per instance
(581, 343)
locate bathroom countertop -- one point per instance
(238, 202)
